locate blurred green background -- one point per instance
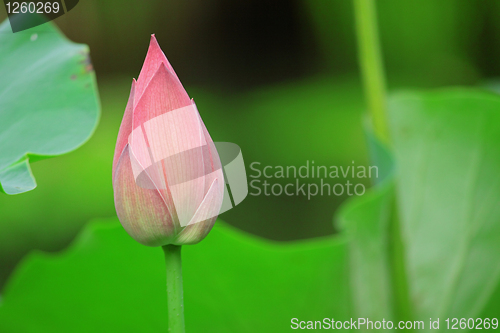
(279, 78)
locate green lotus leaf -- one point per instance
(234, 282)
(48, 100)
(446, 186)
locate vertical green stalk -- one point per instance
(175, 298)
(372, 70)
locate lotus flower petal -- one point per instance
(204, 218)
(125, 127)
(142, 212)
(154, 58)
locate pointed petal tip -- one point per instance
(154, 58)
(154, 47)
(164, 69)
(153, 43)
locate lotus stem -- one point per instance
(175, 297)
(372, 69)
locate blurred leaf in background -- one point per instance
(234, 282)
(72, 189)
(447, 189)
(48, 100)
(49, 106)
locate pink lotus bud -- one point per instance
(167, 176)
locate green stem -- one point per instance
(175, 298)
(372, 70)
